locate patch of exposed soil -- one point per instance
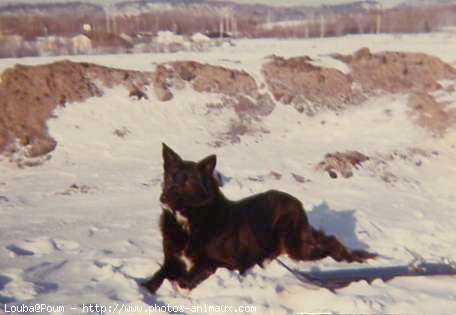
(431, 114)
(238, 88)
(341, 163)
(308, 87)
(417, 74)
(216, 79)
(397, 72)
(379, 165)
(312, 88)
(30, 94)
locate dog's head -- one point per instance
(187, 184)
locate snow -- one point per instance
(168, 37)
(199, 38)
(82, 228)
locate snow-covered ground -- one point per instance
(82, 228)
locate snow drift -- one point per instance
(82, 228)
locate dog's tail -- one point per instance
(322, 245)
(312, 244)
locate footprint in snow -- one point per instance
(116, 284)
(137, 268)
(40, 246)
(93, 230)
(13, 288)
(4, 280)
(65, 245)
(16, 250)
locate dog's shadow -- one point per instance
(341, 224)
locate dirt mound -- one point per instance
(30, 94)
(397, 72)
(431, 114)
(239, 92)
(341, 163)
(311, 88)
(239, 88)
(414, 73)
(379, 165)
(308, 87)
(216, 79)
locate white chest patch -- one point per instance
(180, 219)
(187, 262)
(183, 221)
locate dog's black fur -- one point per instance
(199, 223)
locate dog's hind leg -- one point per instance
(301, 241)
(313, 245)
(327, 245)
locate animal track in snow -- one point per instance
(65, 245)
(13, 287)
(108, 274)
(95, 229)
(40, 246)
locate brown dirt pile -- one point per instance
(341, 163)
(239, 88)
(216, 79)
(239, 91)
(30, 94)
(308, 87)
(414, 73)
(378, 165)
(430, 113)
(397, 72)
(311, 88)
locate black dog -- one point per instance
(203, 231)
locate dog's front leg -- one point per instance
(172, 269)
(156, 281)
(174, 240)
(196, 275)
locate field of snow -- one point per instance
(82, 228)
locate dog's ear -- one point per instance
(170, 158)
(208, 164)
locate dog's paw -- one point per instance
(150, 285)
